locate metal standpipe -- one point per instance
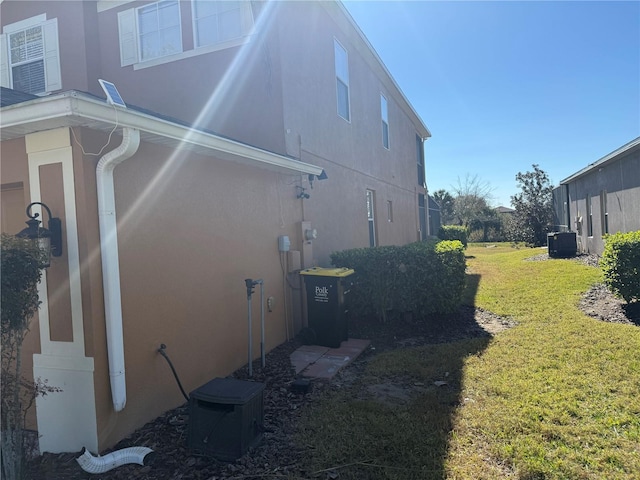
(250, 284)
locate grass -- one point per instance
(556, 397)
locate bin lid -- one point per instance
(328, 272)
(228, 390)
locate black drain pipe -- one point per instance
(162, 352)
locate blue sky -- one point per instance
(503, 85)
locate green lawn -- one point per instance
(556, 397)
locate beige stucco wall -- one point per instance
(351, 151)
(191, 229)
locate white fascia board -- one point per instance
(75, 109)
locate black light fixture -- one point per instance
(49, 241)
(301, 192)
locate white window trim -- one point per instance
(128, 37)
(248, 23)
(51, 53)
(347, 83)
(385, 121)
(137, 24)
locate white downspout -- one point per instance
(110, 262)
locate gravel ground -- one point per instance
(278, 455)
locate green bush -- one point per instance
(423, 278)
(453, 232)
(20, 276)
(620, 264)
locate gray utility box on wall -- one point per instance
(226, 418)
(562, 244)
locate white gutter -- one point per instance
(110, 262)
(69, 109)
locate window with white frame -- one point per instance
(385, 121)
(589, 216)
(371, 217)
(604, 212)
(220, 22)
(30, 59)
(342, 80)
(159, 32)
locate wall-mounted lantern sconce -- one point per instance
(49, 241)
(312, 177)
(302, 193)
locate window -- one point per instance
(219, 22)
(30, 56)
(385, 121)
(422, 213)
(589, 216)
(342, 80)
(152, 34)
(604, 213)
(389, 211)
(371, 217)
(159, 31)
(420, 155)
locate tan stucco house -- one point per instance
(235, 112)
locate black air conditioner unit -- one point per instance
(562, 244)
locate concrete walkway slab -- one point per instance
(322, 362)
(306, 355)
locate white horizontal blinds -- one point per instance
(32, 56)
(27, 61)
(159, 31)
(219, 22)
(342, 80)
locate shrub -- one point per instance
(620, 264)
(453, 232)
(20, 276)
(424, 278)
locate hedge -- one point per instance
(423, 278)
(620, 264)
(453, 232)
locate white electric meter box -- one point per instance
(284, 244)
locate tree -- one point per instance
(472, 198)
(534, 208)
(445, 201)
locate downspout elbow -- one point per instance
(110, 262)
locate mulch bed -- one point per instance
(279, 455)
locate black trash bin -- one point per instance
(326, 289)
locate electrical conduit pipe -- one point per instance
(110, 262)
